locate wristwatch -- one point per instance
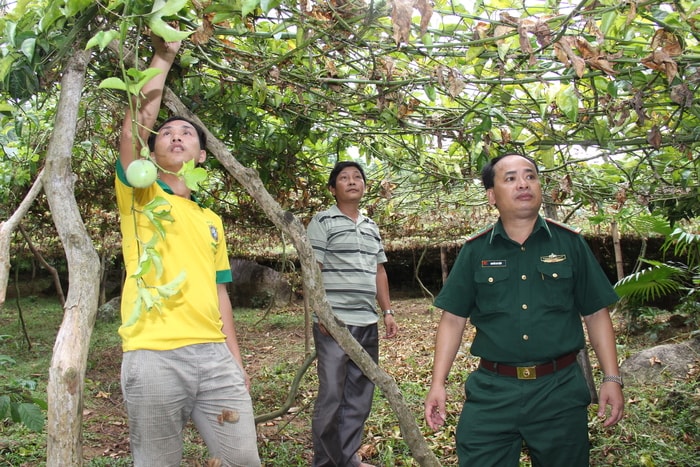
(614, 379)
(388, 312)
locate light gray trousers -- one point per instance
(163, 390)
(344, 398)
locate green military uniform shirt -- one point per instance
(526, 301)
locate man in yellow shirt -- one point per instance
(181, 361)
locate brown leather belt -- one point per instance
(530, 372)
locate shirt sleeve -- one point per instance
(457, 295)
(318, 237)
(594, 290)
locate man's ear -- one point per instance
(202, 156)
(491, 197)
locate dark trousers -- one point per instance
(344, 398)
(548, 414)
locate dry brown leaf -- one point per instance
(401, 12)
(660, 61)
(654, 360)
(565, 53)
(502, 30)
(524, 27)
(507, 18)
(543, 33)
(602, 65)
(586, 50)
(386, 188)
(631, 13)
(682, 95)
(638, 106)
(425, 8)
(203, 32)
(668, 42)
(456, 84)
(481, 30)
(387, 66)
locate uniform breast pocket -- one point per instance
(492, 289)
(558, 282)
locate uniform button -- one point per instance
(522, 248)
(524, 306)
(523, 277)
(490, 280)
(555, 275)
(525, 337)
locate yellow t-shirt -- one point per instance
(194, 243)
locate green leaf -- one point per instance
(194, 178)
(147, 298)
(267, 5)
(74, 7)
(430, 92)
(112, 83)
(4, 406)
(28, 47)
(167, 7)
(172, 287)
(161, 28)
(136, 311)
(31, 416)
(659, 280)
(249, 6)
(167, 32)
(567, 101)
(102, 39)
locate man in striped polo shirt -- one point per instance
(349, 250)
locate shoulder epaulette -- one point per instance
(575, 230)
(480, 233)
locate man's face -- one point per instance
(177, 142)
(516, 189)
(349, 186)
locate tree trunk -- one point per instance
(443, 263)
(67, 371)
(619, 265)
(6, 229)
(311, 274)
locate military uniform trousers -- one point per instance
(549, 414)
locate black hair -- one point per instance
(198, 129)
(488, 172)
(339, 166)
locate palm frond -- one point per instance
(650, 283)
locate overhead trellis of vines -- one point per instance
(425, 92)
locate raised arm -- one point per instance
(148, 105)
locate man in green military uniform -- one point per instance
(524, 283)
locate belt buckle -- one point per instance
(526, 372)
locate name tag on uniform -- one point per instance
(493, 263)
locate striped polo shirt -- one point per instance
(349, 253)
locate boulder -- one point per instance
(254, 285)
(661, 362)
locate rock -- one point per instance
(255, 285)
(110, 311)
(661, 362)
